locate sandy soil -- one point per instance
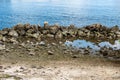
(59, 71)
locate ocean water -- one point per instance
(85, 44)
(63, 12)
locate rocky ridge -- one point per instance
(29, 36)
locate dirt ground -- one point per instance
(17, 63)
(60, 70)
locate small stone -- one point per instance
(22, 44)
(42, 43)
(60, 42)
(31, 53)
(50, 53)
(50, 35)
(2, 47)
(54, 44)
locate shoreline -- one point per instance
(31, 52)
(26, 35)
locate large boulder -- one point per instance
(59, 35)
(3, 32)
(27, 26)
(13, 33)
(21, 32)
(54, 29)
(115, 28)
(18, 27)
(80, 33)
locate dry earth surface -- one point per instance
(76, 69)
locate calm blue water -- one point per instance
(64, 12)
(84, 44)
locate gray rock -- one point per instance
(80, 32)
(13, 33)
(14, 40)
(45, 32)
(42, 43)
(21, 32)
(50, 35)
(54, 29)
(4, 39)
(30, 31)
(4, 32)
(115, 28)
(31, 53)
(18, 26)
(64, 33)
(36, 35)
(2, 47)
(54, 44)
(59, 35)
(50, 53)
